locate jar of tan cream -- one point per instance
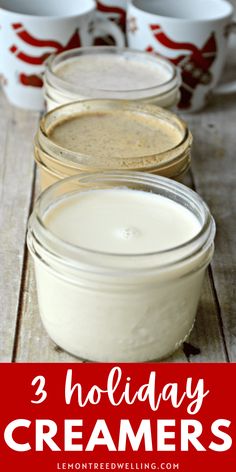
(98, 135)
(111, 73)
(119, 261)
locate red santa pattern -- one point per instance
(35, 80)
(195, 64)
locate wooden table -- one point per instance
(213, 175)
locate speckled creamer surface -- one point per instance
(118, 133)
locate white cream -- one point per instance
(122, 305)
(122, 221)
(112, 72)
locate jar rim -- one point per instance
(72, 158)
(58, 175)
(62, 85)
(71, 253)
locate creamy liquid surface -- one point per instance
(112, 72)
(115, 134)
(122, 221)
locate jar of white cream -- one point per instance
(119, 261)
(111, 73)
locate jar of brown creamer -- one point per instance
(99, 135)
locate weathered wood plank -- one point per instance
(214, 171)
(207, 335)
(206, 338)
(16, 175)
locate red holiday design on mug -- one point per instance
(115, 11)
(35, 80)
(30, 80)
(34, 30)
(195, 64)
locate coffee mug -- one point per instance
(192, 34)
(32, 30)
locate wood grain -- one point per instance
(16, 177)
(214, 170)
(213, 174)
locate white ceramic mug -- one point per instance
(32, 30)
(192, 34)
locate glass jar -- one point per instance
(110, 73)
(109, 307)
(57, 161)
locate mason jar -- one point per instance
(110, 73)
(98, 135)
(119, 261)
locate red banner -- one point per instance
(117, 417)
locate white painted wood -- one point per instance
(16, 176)
(214, 170)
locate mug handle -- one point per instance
(229, 87)
(101, 26)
